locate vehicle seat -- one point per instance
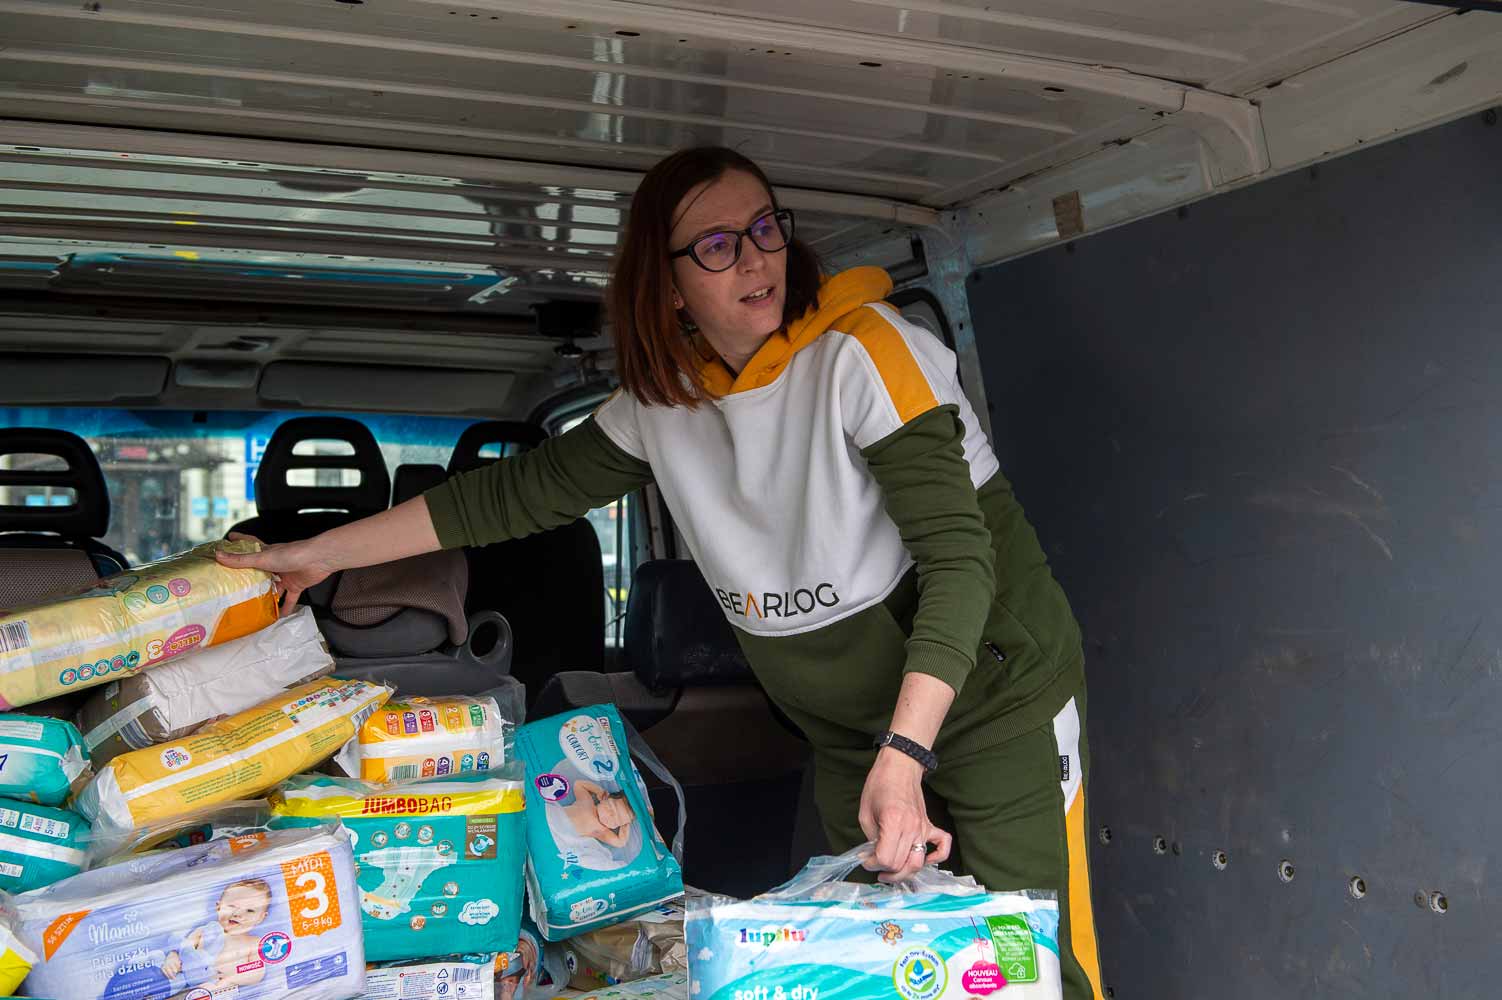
(287, 513)
(49, 551)
(549, 586)
(692, 696)
(414, 480)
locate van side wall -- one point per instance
(1262, 443)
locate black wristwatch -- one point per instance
(922, 754)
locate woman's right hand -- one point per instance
(295, 566)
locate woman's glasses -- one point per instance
(719, 251)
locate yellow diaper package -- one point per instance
(16, 959)
(237, 757)
(129, 622)
(414, 737)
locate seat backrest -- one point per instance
(50, 550)
(414, 480)
(550, 586)
(289, 513)
(676, 633)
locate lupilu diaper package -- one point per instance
(272, 916)
(237, 757)
(41, 759)
(130, 622)
(440, 861)
(169, 701)
(935, 937)
(594, 856)
(40, 845)
(412, 738)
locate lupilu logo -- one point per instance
(772, 604)
(766, 937)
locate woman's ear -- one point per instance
(677, 300)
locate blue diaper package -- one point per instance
(40, 845)
(936, 937)
(594, 857)
(440, 860)
(40, 758)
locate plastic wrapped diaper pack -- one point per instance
(40, 758)
(16, 959)
(263, 917)
(594, 856)
(458, 977)
(168, 701)
(440, 861)
(935, 937)
(131, 621)
(234, 758)
(412, 738)
(40, 845)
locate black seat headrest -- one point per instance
(676, 632)
(415, 479)
(466, 456)
(88, 516)
(274, 495)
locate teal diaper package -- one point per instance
(40, 758)
(440, 860)
(40, 845)
(935, 937)
(594, 856)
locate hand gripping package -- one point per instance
(416, 737)
(440, 861)
(169, 701)
(235, 758)
(129, 622)
(273, 916)
(594, 856)
(933, 938)
(41, 759)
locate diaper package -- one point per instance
(594, 856)
(266, 917)
(935, 937)
(646, 945)
(458, 977)
(440, 861)
(413, 738)
(235, 758)
(168, 701)
(41, 759)
(131, 621)
(228, 819)
(40, 845)
(667, 986)
(16, 959)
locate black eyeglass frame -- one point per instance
(784, 216)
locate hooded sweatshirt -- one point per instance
(846, 509)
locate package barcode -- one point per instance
(15, 635)
(405, 772)
(462, 975)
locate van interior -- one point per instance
(1221, 279)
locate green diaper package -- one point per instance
(39, 845)
(40, 758)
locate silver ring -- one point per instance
(920, 848)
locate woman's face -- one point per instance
(725, 305)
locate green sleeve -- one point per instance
(560, 480)
(925, 481)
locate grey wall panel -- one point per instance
(1262, 443)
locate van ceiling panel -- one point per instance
(99, 380)
(371, 387)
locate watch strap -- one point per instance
(911, 748)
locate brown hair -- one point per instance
(653, 351)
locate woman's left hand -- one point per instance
(895, 817)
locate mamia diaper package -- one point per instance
(131, 621)
(168, 701)
(594, 856)
(413, 738)
(40, 758)
(935, 937)
(39, 845)
(234, 758)
(272, 916)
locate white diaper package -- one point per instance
(594, 856)
(935, 937)
(271, 916)
(458, 977)
(169, 701)
(16, 959)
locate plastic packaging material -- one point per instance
(412, 738)
(40, 845)
(440, 861)
(594, 857)
(235, 758)
(131, 621)
(456, 977)
(169, 701)
(229, 819)
(935, 937)
(41, 759)
(667, 986)
(16, 959)
(266, 917)
(646, 945)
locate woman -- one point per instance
(834, 487)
